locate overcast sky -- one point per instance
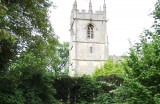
(127, 20)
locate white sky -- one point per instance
(127, 20)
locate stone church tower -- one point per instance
(89, 41)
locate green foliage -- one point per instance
(37, 86)
(157, 98)
(108, 78)
(142, 80)
(104, 98)
(16, 98)
(63, 86)
(87, 89)
(106, 87)
(6, 53)
(133, 92)
(141, 85)
(156, 15)
(2, 9)
(9, 92)
(27, 49)
(75, 89)
(109, 68)
(6, 43)
(25, 27)
(61, 64)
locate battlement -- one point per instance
(88, 12)
(83, 11)
(99, 12)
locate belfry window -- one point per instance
(90, 33)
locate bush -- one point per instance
(104, 98)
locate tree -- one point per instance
(6, 42)
(75, 89)
(156, 15)
(109, 68)
(61, 65)
(25, 27)
(108, 78)
(142, 82)
(27, 48)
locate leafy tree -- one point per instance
(75, 90)
(61, 64)
(37, 86)
(157, 98)
(156, 15)
(142, 82)
(9, 93)
(104, 98)
(87, 89)
(109, 68)
(108, 78)
(25, 27)
(6, 42)
(27, 49)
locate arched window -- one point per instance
(90, 33)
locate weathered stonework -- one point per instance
(87, 52)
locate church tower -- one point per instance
(89, 40)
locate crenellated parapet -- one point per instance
(97, 15)
(90, 14)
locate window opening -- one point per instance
(90, 33)
(91, 50)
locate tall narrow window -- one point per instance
(90, 33)
(91, 50)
